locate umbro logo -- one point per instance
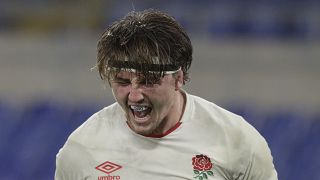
(108, 168)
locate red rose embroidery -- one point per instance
(202, 167)
(201, 162)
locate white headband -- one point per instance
(134, 70)
(164, 72)
(124, 66)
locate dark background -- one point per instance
(260, 59)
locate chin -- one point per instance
(141, 129)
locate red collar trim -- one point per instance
(166, 133)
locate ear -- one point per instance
(178, 80)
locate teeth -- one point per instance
(138, 108)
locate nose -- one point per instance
(135, 94)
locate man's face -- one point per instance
(150, 108)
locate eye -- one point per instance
(123, 83)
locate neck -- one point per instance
(182, 103)
(177, 113)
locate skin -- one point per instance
(165, 98)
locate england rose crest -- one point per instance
(202, 167)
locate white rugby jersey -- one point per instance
(209, 143)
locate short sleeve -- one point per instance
(72, 164)
(260, 165)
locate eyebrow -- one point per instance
(141, 80)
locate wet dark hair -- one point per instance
(149, 41)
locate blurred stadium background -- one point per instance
(260, 59)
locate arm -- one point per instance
(260, 165)
(72, 163)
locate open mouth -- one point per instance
(140, 111)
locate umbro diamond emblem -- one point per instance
(108, 167)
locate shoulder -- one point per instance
(97, 125)
(72, 162)
(212, 114)
(243, 143)
(246, 148)
(76, 152)
(226, 123)
(222, 123)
